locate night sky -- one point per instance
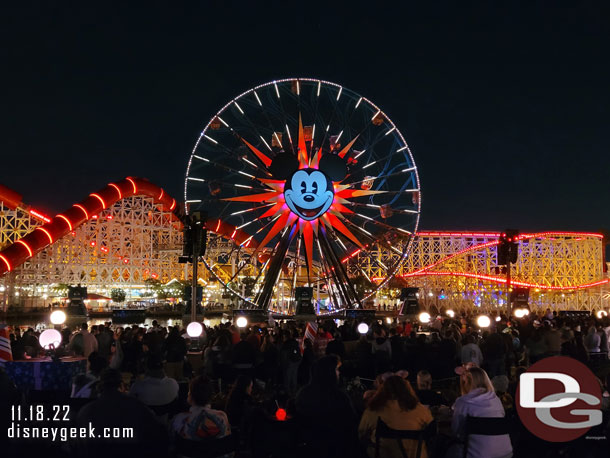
(506, 109)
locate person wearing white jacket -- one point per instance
(478, 400)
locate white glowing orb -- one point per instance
(58, 317)
(194, 329)
(424, 317)
(519, 313)
(241, 322)
(50, 337)
(601, 313)
(483, 321)
(388, 320)
(450, 313)
(498, 318)
(363, 328)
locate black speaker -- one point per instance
(77, 293)
(303, 293)
(519, 297)
(304, 298)
(188, 293)
(411, 302)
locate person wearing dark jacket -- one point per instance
(336, 347)
(326, 413)
(114, 409)
(175, 350)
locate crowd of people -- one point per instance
(320, 389)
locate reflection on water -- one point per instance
(41, 323)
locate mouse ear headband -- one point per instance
(285, 164)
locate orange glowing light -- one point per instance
(133, 183)
(8, 264)
(97, 196)
(46, 232)
(117, 190)
(66, 220)
(83, 209)
(27, 247)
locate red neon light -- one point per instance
(46, 232)
(27, 247)
(94, 217)
(233, 234)
(92, 243)
(8, 264)
(40, 216)
(108, 216)
(99, 198)
(280, 415)
(160, 195)
(133, 183)
(217, 227)
(154, 275)
(104, 249)
(503, 280)
(497, 234)
(458, 234)
(117, 190)
(66, 220)
(125, 261)
(83, 209)
(173, 205)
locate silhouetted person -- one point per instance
(114, 409)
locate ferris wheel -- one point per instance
(305, 184)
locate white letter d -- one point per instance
(527, 389)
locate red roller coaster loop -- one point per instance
(62, 224)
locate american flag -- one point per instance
(311, 331)
(5, 346)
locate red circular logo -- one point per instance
(558, 399)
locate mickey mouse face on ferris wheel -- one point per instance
(309, 192)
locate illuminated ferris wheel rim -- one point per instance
(378, 113)
(311, 80)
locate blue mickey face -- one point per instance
(309, 193)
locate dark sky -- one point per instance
(506, 108)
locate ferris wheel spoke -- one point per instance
(228, 169)
(374, 178)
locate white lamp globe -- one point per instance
(194, 329)
(519, 313)
(363, 328)
(601, 313)
(58, 317)
(498, 318)
(424, 317)
(241, 322)
(483, 321)
(450, 313)
(49, 338)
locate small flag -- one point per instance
(311, 331)
(6, 354)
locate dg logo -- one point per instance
(559, 399)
